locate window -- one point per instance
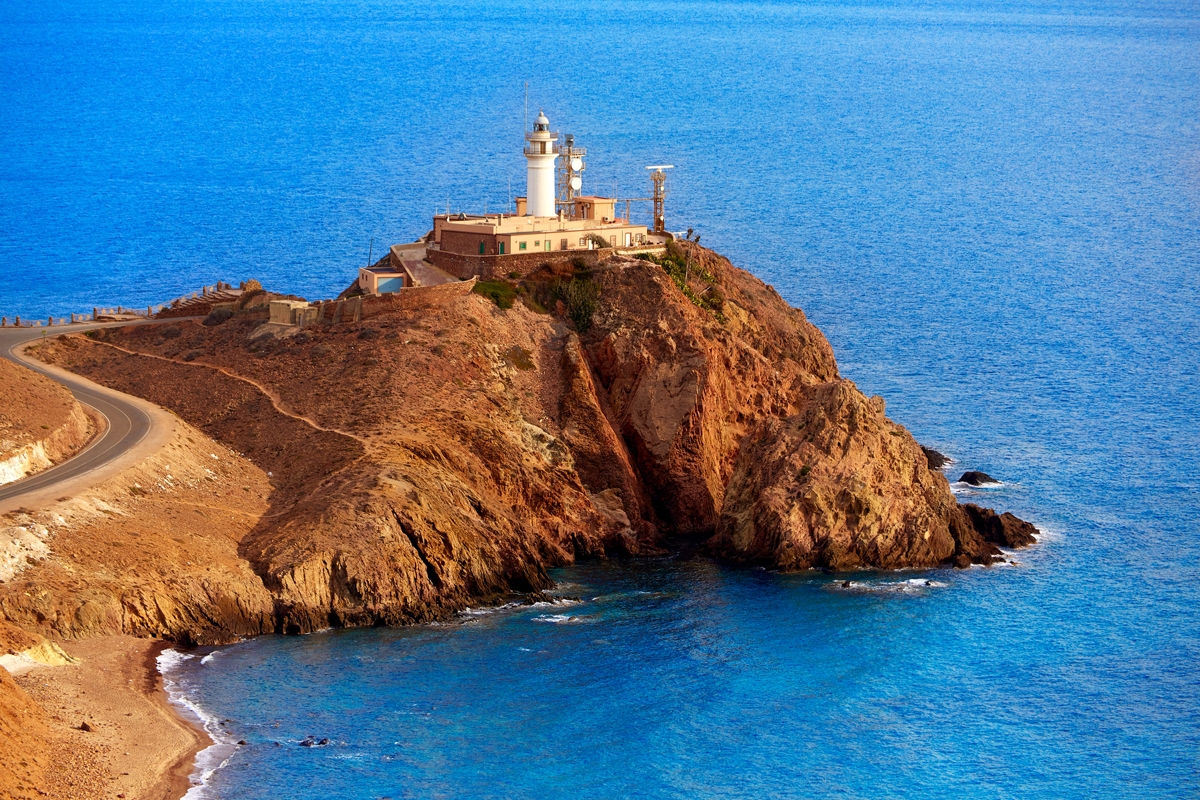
(547, 245)
(482, 245)
(582, 241)
(562, 245)
(612, 240)
(502, 248)
(521, 246)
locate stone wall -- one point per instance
(488, 268)
(415, 297)
(459, 242)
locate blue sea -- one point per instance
(992, 209)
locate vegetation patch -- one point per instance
(519, 357)
(502, 293)
(682, 271)
(581, 296)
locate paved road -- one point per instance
(128, 422)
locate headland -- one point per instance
(434, 450)
(469, 414)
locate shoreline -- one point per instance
(138, 745)
(178, 778)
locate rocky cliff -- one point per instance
(435, 455)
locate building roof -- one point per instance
(500, 226)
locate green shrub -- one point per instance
(502, 293)
(677, 267)
(582, 298)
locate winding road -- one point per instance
(131, 422)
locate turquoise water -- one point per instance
(992, 211)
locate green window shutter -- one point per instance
(481, 246)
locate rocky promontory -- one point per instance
(432, 455)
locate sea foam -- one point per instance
(216, 755)
(909, 586)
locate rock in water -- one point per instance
(936, 460)
(1004, 529)
(977, 478)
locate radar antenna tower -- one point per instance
(659, 179)
(570, 179)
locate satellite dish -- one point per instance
(577, 165)
(576, 183)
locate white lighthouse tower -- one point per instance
(541, 150)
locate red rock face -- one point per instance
(686, 389)
(837, 485)
(743, 432)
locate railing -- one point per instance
(534, 148)
(119, 311)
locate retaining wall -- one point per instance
(487, 268)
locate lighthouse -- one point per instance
(541, 150)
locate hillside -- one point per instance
(41, 424)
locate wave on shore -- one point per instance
(216, 755)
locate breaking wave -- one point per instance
(909, 586)
(216, 755)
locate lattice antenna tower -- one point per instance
(659, 180)
(569, 178)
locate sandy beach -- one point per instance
(137, 746)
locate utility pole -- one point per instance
(687, 269)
